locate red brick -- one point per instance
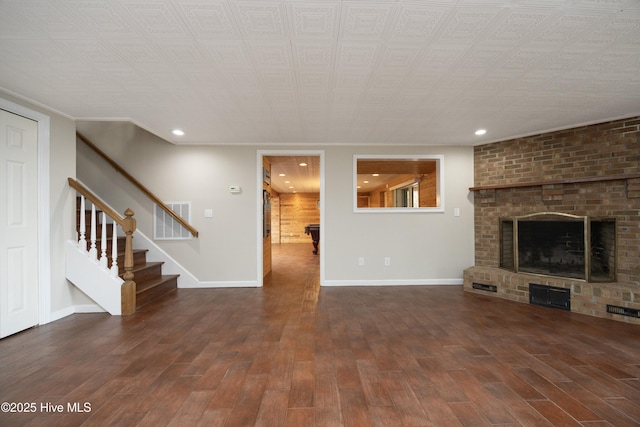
(589, 151)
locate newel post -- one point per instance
(128, 291)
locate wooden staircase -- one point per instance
(150, 282)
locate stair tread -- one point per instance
(121, 252)
(146, 265)
(152, 289)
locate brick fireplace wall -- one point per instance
(592, 171)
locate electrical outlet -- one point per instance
(361, 260)
(387, 261)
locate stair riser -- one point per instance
(147, 273)
(139, 258)
(156, 292)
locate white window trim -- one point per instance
(439, 158)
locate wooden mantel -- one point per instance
(555, 182)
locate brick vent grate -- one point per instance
(484, 287)
(550, 296)
(624, 311)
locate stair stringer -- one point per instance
(185, 278)
(92, 279)
(170, 266)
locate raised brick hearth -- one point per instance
(589, 171)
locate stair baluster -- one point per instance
(82, 242)
(114, 251)
(93, 252)
(103, 243)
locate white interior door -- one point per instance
(18, 223)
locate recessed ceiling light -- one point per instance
(481, 132)
(302, 164)
(376, 174)
(365, 182)
(178, 132)
(282, 174)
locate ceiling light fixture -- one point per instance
(480, 132)
(178, 132)
(282, 174)
(302, 164)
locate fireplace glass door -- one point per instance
(559, 245)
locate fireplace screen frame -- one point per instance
(509, 248)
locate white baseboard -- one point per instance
(57, 315)
(186, 280)
(216, 284)
(89, 308)
(391, 282)
(73, 309)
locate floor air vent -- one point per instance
(483, 287)
(550, 296)
(631, 312)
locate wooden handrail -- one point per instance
(96, 201)
(555, 182)
(137, 183)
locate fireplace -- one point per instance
(591, 171)
(558, 244)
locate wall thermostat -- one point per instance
(234, 188)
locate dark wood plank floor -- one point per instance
(292, 354)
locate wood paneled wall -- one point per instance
(295, 212)
(381, 197)
(275, 217)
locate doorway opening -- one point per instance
(290, 200)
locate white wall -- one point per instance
(64, 297)
(225, 251)
(423, 247)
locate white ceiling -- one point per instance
(296, 178)
(306, 72)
